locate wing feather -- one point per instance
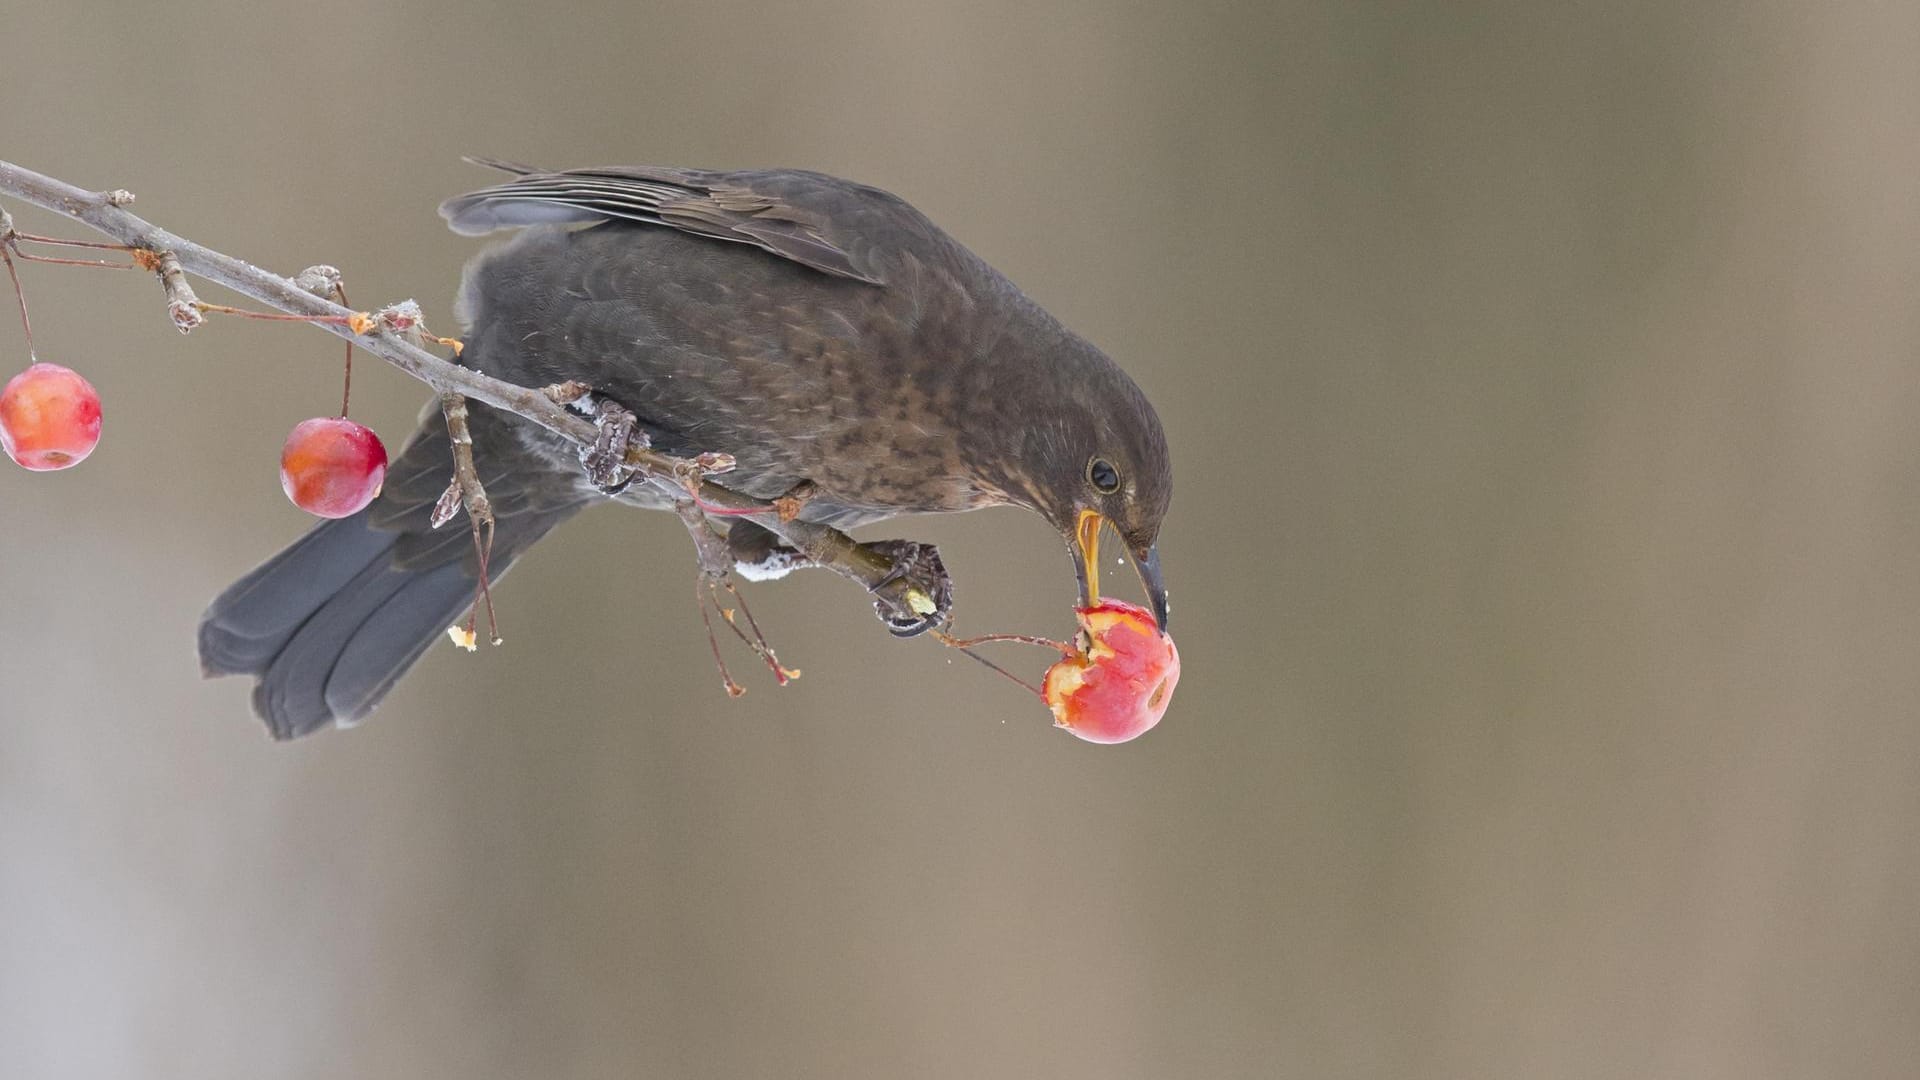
(742, 208)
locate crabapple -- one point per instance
(332, 467)
(49, 418)
(1119, 685)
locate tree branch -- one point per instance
(106, 213)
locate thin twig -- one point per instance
(106, 213)
(701, 599)
(473, 495)
(758, 641)
(183, 307)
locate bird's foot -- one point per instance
(606, 460)
(916, 594)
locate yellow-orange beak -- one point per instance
(1086, 541)
(1086, 537)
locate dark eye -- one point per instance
(1103, 476)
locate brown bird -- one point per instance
(846, 351)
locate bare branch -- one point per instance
(182, 305)
(105, 212)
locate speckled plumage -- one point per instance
(816, 329)
(913, 387)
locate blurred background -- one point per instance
(1541, 381)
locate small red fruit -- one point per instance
(49, 418)
(1119, 687)
(332, 467)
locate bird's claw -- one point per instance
(916, 594)
(606, 460)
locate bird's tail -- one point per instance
(328, 626)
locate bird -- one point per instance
(847, 353)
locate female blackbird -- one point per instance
(848, 353)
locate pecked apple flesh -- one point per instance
(1118, 686)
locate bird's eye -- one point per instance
(1103, 476)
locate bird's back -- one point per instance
(863, 381)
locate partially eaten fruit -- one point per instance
(1119, 684)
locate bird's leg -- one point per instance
(606, 460)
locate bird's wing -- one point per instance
(811, 219)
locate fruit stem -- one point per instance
(93, 264)
(26, 324)
(63, 242)
(950, 641)
(274, 316)
(346, 392)
(1022, 683)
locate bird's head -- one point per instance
(1101, 461)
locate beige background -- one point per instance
(1541, 384)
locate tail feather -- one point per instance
(355, 644)
(394, 637)
(253, 620)
(328, 626)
